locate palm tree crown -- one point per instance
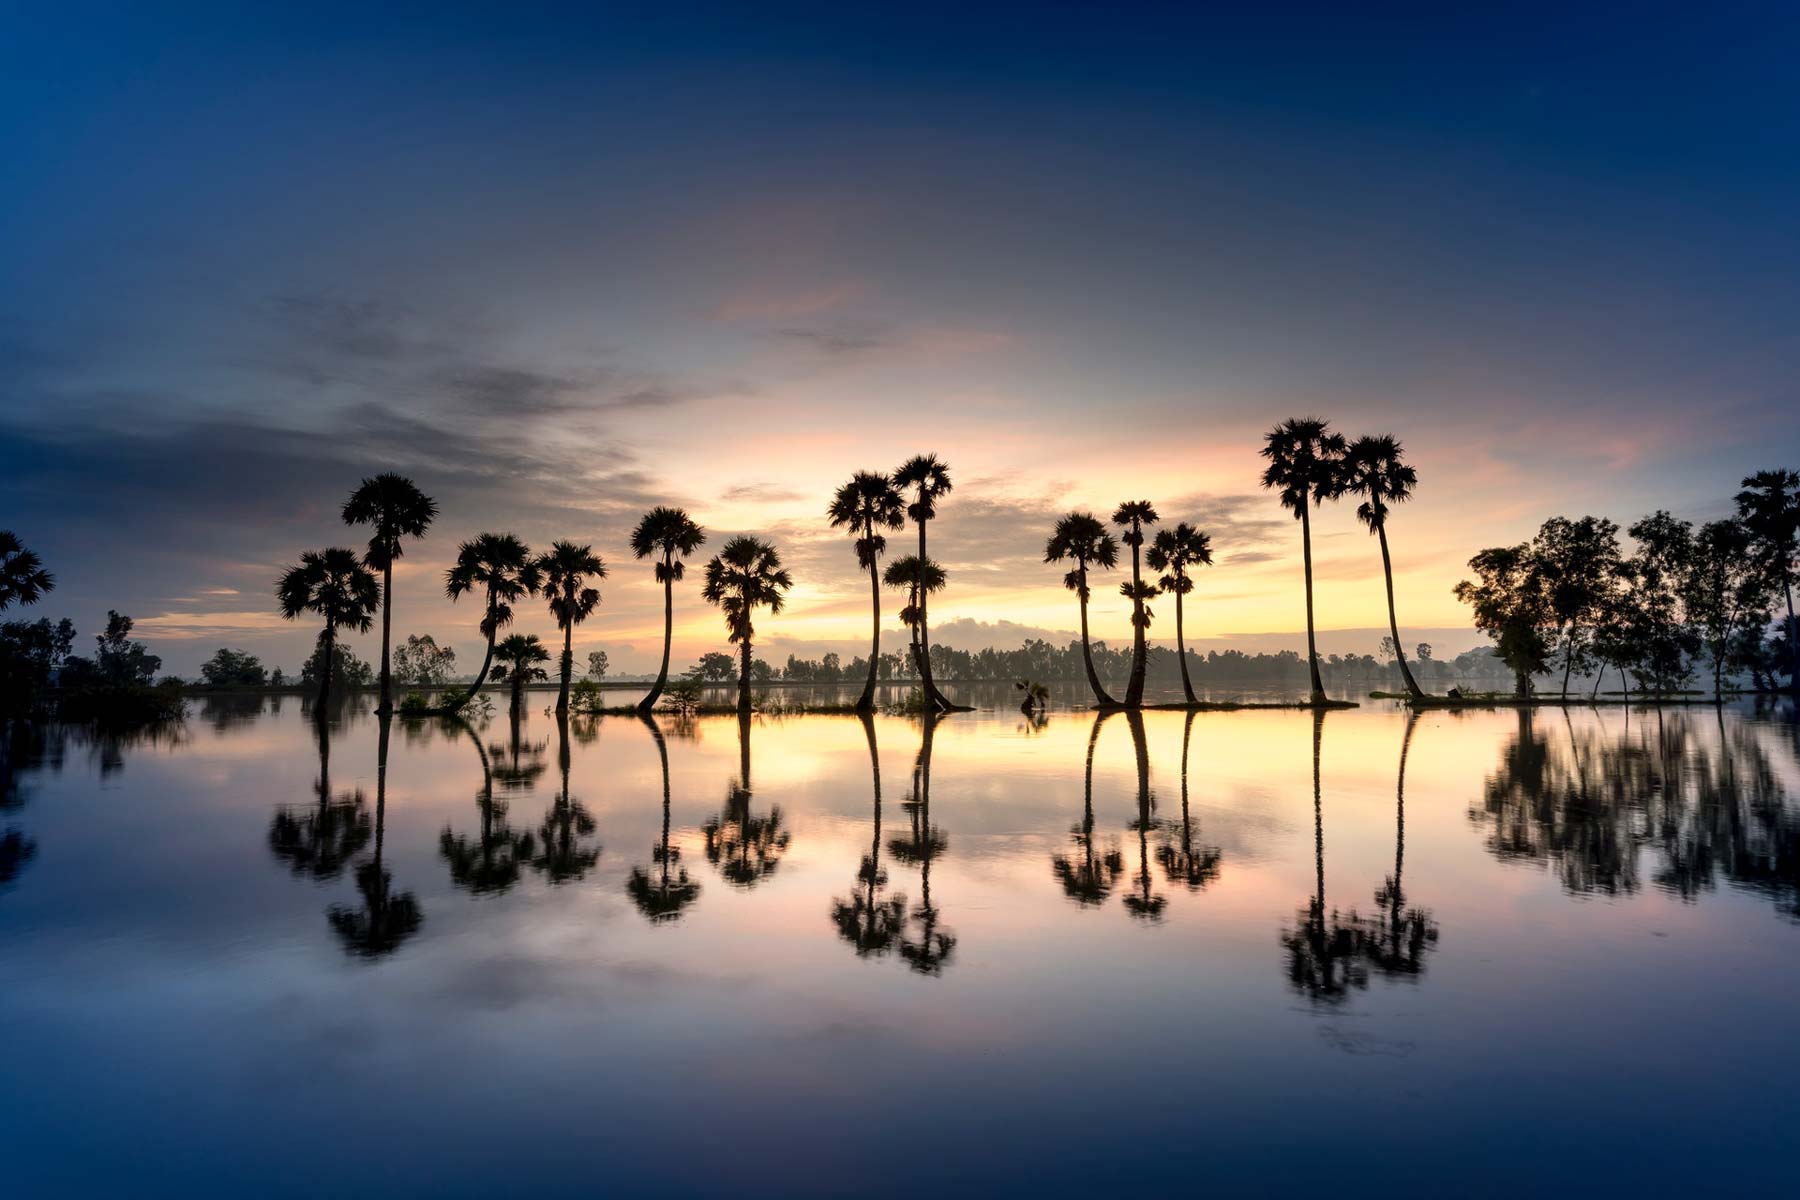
(744, 576)
(523, 652)
(332, 583)
(23, 579)
(671, 533)
(395, 508)
(1373, 468)
(903, 572)
(1303, 454)
(565, 569)
(1081, 538)
(500, 564)
(1174, 551)
(867, 504)
(930, 481)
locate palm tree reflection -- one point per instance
(489, 864)
(869, 922)
(564, 852)
(1143, 903)
(1324, 952)
(1397, 938)
(1182, 861)
(745, 847)
(666, 895)
(1087, 877)
(386, 918)
(319, 839)
(925, 947)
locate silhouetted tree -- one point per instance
(335, 585)
(1769, 507)
(928, 949)
(1089, 878)
(1174, 553)
(744, 576)
(930, 481)
(1724, 592)
(904, 572)
(563, 850)
(1131, 517)
(386, 918)
(23, 579)
(491, 863)
(666, 896)
(1303, 457)
(319, 839)
(1577, 565)
(672, 535)
(566, 569)
(1396, 940)
(1662, 638)
(867, 504)
(866, 920)
(1081, 538)
(501, 566)
(1324, 952)
(1374, 469)
(421, 662)
(521, 653)
(397, 509)
(1511, 607)
(745, 847)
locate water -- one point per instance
(1560, 954)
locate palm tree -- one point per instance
(1769, 507)
(1132, 516)
(745, 847)
(1373, 469)
(904, 572)
(566, 568)
(501, 565)
(334, 584)
(1396, 939)
(1143, 903)
(1173, 552)
(397, 509)
(1324, 952)
(927, 951)
(1089, 879)
(671, 533)
(1195, 866)
(564, 854)
(22, 576)
(665, 898)
(930, 480)
(744, 576)
(522, 652)
(869, 503)
(1082, 538)
(868, 922)
(1303, 455)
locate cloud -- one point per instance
(760, 493)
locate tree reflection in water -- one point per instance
(1143, 902)
(1182, 861)
(924, 946)
(319, 839)
(664, 892)
(1397, 937)
(867, 920)
(565, 852)
(489, 864)
(745, 847)
(1088, 876)
(1324, 952)
(386, 918)
(1703, 796)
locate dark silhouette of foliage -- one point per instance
(1769, 507)
(1303, 455)
(1131, 517)
(491, 863)
(924, 944)
(1325, 952)
(233, 668)
(1183, 861)
(870, 922)
(387, 918)
(1511, 606)
(23, 579)
(1088, 876)
(1081, 538)
(1143, 902)
(564, 852)
(334, 585)
(1374, 469)
(566, 569)
(319, 839)
(1397, 938)
(663, 891)
(744, 576)
(930, 481)
(1175, 553)
(746, 848)
(395, 509)
(500, 566)
(672, 535)
(866, 505)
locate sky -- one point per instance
(562, 264)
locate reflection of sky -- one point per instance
(165, 982)
(561, 266)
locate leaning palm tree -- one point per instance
(566, 568)
(746, 575)
(397, 509)
(671, 533)
(904, 573)
(1373, 469)
(502, 566)
(334, 584)
(867, 504)
(23, 579)
(1303, 456)
(1132, 516)
(1172, 553)
(1081, 537)
(521, 653)
(930, 480)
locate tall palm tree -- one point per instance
(744, 576)
(866, 920)
(1082, 538)
(904, 572)
(566, 568)
(22, 576)
(930, 481)
(500, 565)
(1132, 516)
(521, 652)
(662, 899)
(1769, 507)
(334, 584)
(867, 504)
(1303, 456)
(672, 534)
(397, 509)
(1373, 469)
(1173, 552)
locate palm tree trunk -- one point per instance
(1568, 660)
(1134, 686)
(1793, 633)
(1387, 571)
(1312, 646)
(387, 626)
(486, 661)
(568, 667)
(325, 676)
(933, 697)
(662, 676)
(1087, 655)
(1598, 675)
(1187, 686)
(744, 677)
(867, 703)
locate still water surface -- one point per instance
(1251, 952)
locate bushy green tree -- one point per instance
(233, 668)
